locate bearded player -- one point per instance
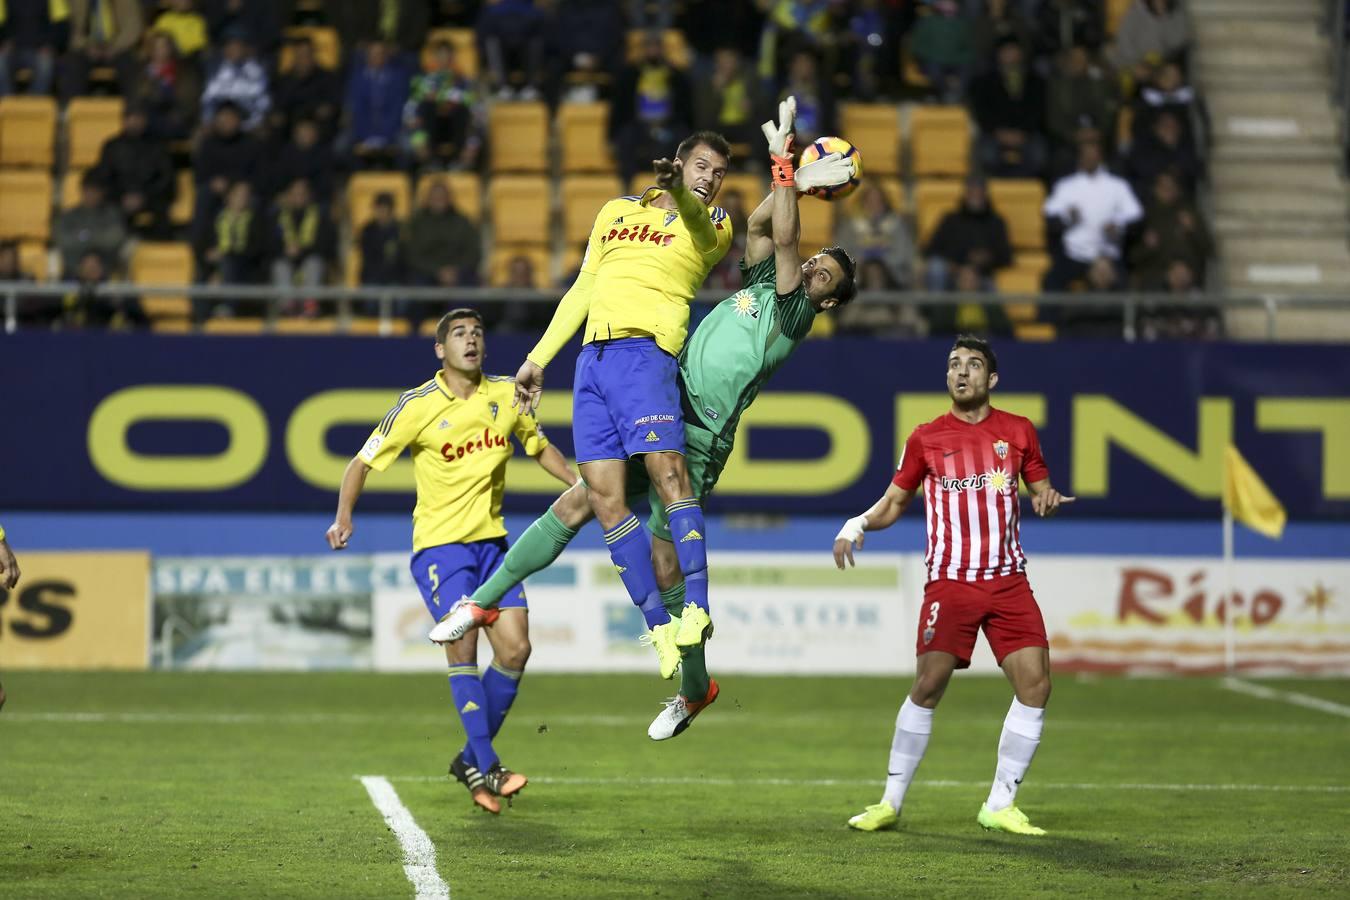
(735, 350)
(968, 462)
(645, 260)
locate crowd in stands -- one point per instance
(275, 106)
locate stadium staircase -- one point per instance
(1281, 210)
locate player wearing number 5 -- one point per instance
(968, 462)
(458, 427)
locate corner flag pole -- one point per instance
(1229, 613)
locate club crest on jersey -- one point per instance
(670, 217)
(493, 407)
(745, 305)
(1001, 448)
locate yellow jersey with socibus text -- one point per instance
(459, 451)
(647, 270)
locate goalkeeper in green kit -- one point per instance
(732, 353)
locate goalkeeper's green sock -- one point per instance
(534, 551)
(693, 667)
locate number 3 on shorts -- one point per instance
(932, 613)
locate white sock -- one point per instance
(912, 727)
(1017, 746)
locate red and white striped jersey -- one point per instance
(969, 475)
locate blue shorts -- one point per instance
(449, 571)
(625, 401)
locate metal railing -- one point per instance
(341, 300)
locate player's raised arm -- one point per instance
(693, 211)
(880, 516)
(759, 233)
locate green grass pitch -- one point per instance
(244, 785)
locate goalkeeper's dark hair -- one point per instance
(980, 346)
(847, 288)
(709, 139)
(454, 315)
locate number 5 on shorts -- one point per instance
(435, 582)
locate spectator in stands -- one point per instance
(1186, 318)
(1151, 32)
(169, 90)
(971, 237)
(1092, 208)
(103, 33)
(1061, 24)
(969, 318)
(401, 25)
(1008, 103)
(382, 244)
(304, 156)
(1163, 149)
(589, 50)
(873, 232)
(727, 101)
(1001, 20)
(260, 20)
(892, 320)
(861, 50)
(1172, 232)
(443, 245)
(304, 242)
(306, 91)
(376, 92)
(651, 112)
(28, 40)
(85, 308)
(185, 25)
(815, 98)
(942, 44)
(31, 310)
(1082, 105)
(239, 79)
(445, 117)
(137, 173)
(223, 156)
(92, 224)
(240, 240)
(1167, 91)
(512, 34)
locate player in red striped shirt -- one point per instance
(968, 462)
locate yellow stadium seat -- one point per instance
(462, 41)
(939, 141)
(25, 204)
(1014, 280)
(351, 267)
(374, 327)
(362, 189)
(672, 40)
(933, 199)
(874, 128)
(70, 188)
(176, 325)
(163, 263)
(582, 197)
(520, 208)
(427, 328)
(1034, 331)
(184, 200)
(307, 326)
(817, 224)
(1037, 261)
(233, 325)
(327, 46)
(466, 191)
(1019, 201)
(750, 186)
(33, 260)
(581, 130)
(27, 131)
(1115, 11)
(499, 264)
(90, 122)
(518, 137)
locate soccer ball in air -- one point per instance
(825, 146)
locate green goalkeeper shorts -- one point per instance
(705, 455)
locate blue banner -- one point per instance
(108, 421)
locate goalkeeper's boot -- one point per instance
(679, 713)
(695, 625)
(462, 617)
(662, 637)
(1010, 819)
(476, 783)
(503, 782)
(877, 817)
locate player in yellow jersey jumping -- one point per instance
(9, 576)
(457, 426)
(646, 258)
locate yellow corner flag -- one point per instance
(1248, 498)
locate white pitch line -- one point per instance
(936, 783)
(419, 854)
(1240, 686)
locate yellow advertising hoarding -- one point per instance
(77, 611)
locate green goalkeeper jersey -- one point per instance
(740, 344)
